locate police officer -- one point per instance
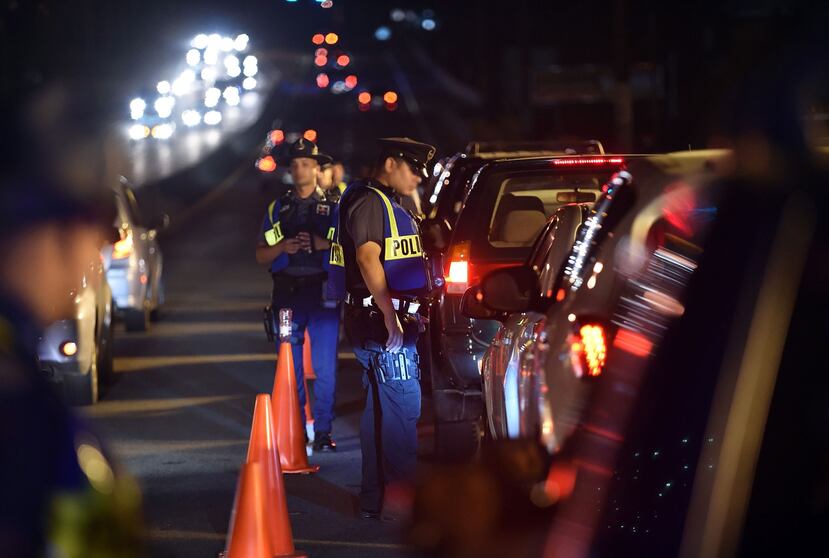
(378, 261)
(326, 182)
(60, 489)
(294, 244)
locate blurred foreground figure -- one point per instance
(61, 494)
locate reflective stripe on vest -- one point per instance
(398, 247)
(273, 236)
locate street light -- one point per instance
(332, 38)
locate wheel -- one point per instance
(137, 320)
(105, 367)
(82, 389)
(157, 312)
(457, 441)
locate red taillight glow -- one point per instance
(343, 60)
(310, 135)
(457, 277)
(266, 164)
(318, 39)
(588, 350)
(123, 248)
(633, 342)
(351, 81)
(364, 97)
(595, 348)
(587, 161)
(322, 80)
(277, 136)
(390, 97)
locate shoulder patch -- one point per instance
(323, 209)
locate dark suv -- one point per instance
(508, 202)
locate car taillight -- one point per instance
(266, 164)
(458, 275)
(588, 350)
(123, 248)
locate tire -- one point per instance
(137, 320)
(105, 366)
(457, 442)
(82, 389)
(158, 312)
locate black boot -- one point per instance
(323, 442)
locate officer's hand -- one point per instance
(304, 240)
(395, 341)
(320, 243)
(292, 245)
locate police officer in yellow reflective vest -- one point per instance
(378, 267)
(294, 244)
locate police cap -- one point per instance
(303, 148)
(416, 154)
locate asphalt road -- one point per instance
(179, 414)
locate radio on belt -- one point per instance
(285, 330)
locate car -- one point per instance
(76, 353)
(540, 386)
(508, 202)
(452, 176)
(500, 362)
(135, 263)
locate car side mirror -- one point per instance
(511, 289)
(162, 223)
(472, 306)
(435, 234)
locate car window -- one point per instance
(507, 209)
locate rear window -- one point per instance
(510, 208)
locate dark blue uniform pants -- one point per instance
(388, 426)
(305, 302)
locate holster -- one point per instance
(402, 365)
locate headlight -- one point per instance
(191, 117)
(162, 131)
(249, 83)
(193, 57)
(199, 41)
(139, 131)
(164, 106)
(212, 117)
(241, 42)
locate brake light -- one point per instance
(588, 350)
(266, 164)
(457, 279)
(123, 248)
(587, 161)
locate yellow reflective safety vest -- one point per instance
(402, 256)
(284, 221)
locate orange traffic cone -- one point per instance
(263, 449)
(290, 433)
(248, 535)
(307, 363)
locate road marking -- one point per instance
(112, 408)
(136, 364)
(164, 534)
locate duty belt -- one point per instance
(407, 306)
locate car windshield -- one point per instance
(513, 207)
